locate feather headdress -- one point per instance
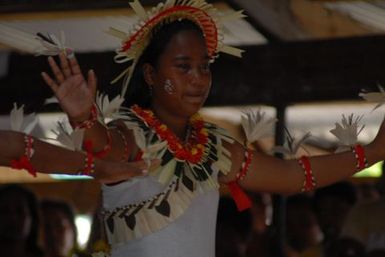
(39, 44)
(137, 39)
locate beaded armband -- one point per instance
(309, 182)
(241, 199)
(87, 124)
(359, 154)
(24, 162)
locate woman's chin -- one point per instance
(192, 108)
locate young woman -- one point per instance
(59, 229)
(172, 210)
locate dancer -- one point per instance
(170, 211)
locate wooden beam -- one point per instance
(274, 17)
(292, 20)
(319, 22)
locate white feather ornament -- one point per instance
(22, 123)
(51, 45)
(72, 140)
(347, 131)
(376, 97)
(144, 145)
(256, 125)
(108, 108)
(292, 145)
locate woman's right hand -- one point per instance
(75, 94)
(108, 172)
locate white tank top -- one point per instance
(190, 235)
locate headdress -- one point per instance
(205, 15)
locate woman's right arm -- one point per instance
(48, 158)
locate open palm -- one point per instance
(75, 94)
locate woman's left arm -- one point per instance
(271, 174)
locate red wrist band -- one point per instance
(242, 201)
(88, 146)
(309, 182)
(359, 154)
(24, 162)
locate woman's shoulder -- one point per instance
(128, 118)
(217, 131)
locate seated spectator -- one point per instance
(376, 253)
(59, 229)
(233, 229)
(19, 222)
(367, 192)
(260, 239)
(345, 247)
(332, 205)
(366, 224)
(303, 233)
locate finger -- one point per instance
(64, 65)
(145, 167)
(139, 165)
(55, 69)
(129, 171)
(50, 82)
(75, 66)
(154, 164)
(92, 81)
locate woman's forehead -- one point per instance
(186, 45)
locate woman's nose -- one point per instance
(200, 78)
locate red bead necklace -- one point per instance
(194, 148)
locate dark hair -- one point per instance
(30, 198)
(138, 91)
(343, 190)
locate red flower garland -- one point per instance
(195, 147)
(203, 19)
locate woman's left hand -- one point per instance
(111, 171)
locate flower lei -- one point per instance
(193, 150)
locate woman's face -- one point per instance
(59, 234)
(184, 65)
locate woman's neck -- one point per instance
(175, 123)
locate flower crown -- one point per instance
(137, 39)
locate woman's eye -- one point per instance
(183, 67)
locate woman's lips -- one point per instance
(195, 98)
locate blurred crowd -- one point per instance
(31, 227)
(341, 220)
